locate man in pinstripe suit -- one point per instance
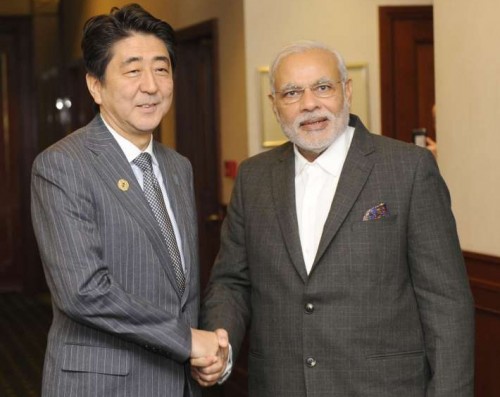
(124, 322)
(340, 251)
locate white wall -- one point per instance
(349, 26)
(467, 67)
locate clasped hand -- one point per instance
(209, 355)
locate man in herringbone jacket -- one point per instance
(340, 252)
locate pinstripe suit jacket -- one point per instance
(386, 309)
(120, 326)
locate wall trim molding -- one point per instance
(484, 271)
(476, 257)
(484, 278)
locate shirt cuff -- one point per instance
(229, 367)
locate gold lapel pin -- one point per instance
(123, 185)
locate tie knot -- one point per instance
(143, 161)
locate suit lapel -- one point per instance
(283, 188)
(112, 166)
(355, 172)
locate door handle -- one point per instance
(214, 218)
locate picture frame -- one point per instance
(272, 135)
(360, 105)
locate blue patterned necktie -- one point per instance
(153, 194)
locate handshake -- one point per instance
(209, 355)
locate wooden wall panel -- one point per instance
(484, 275)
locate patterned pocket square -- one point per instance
(377, 212)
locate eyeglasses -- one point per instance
(325, 89)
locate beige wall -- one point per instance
(349, 26)
(467, 67)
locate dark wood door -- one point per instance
(19, 265)
(197, 137)
(484, 276)
(407, 70)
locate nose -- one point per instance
(309, 101)
(148, 82)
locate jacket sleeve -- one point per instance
(441, 284)
(65, 223)
(227, 299)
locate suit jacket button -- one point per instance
(309, 307)
(310, 362)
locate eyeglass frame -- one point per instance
(311, 87)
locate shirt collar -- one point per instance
(129, 149)
(332, 159)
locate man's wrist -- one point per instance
(229, 367)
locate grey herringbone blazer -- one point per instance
(120, 326)
(386, 310)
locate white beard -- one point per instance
(313, 141)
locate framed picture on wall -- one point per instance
(270, 128)
(360, 106)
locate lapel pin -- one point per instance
(123, 185)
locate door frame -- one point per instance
(16, 36)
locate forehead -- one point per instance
(307, 67)
(138, 45)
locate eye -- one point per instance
(324, 88)
(164, 71)
(132, 72)
(291, 93)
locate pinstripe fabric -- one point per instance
(121, 327)
(391, 313)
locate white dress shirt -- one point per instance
(131, 152)
(315, 186)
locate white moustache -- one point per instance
(313, 117)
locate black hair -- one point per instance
(101, 32)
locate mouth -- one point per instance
(148, 108)
(314, 123)
(147, 105)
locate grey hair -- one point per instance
(303, 46)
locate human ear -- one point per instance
(94, 86)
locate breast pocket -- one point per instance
(93, 359)
(375, 225)
(375, 241)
